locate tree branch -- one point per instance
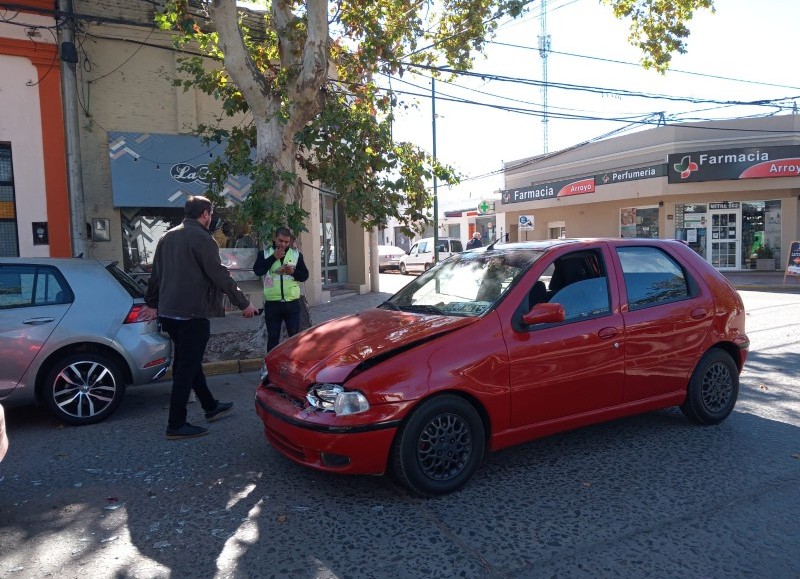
(238, 63)
(306, 92)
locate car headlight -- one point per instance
(334, 398)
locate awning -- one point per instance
(155, 170)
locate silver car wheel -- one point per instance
(84, 389)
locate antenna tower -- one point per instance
(544, 51)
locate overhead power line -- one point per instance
(638, 65)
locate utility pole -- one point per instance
(69, 92)
(544, 51)
(435, 193)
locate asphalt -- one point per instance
(764, 281)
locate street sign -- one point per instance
(526, 222)
(485, 207)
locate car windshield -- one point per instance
(467, 284)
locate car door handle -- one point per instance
(607, 333)
(38, 321)
(698, 313)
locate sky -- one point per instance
(743, 52)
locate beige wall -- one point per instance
(128, 88)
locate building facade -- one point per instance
(34, 197)
(729, 189)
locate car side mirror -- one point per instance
(545, 313)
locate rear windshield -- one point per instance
(125, 281)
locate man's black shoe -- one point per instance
(185, 431)
(222, 409)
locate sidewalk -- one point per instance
(235, 322)
(767, 281)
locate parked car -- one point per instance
(389, 257)
(494, 348)
(70, 337)
(421, 256)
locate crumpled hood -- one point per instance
(330, 351)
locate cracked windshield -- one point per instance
(467, 284)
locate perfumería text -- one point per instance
(630, 175)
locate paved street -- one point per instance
(645, 496)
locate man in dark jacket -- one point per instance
(475, 241)
(284, 270)
(185, 288)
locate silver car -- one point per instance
(70, 338)
(421, 255)
(389, 257)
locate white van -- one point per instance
(420, 256)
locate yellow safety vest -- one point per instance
(282, 287)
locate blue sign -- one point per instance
(155, 170)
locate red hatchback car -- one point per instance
(502, 345)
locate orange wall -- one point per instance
(45, 58)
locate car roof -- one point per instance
(546, 244)
(71, 262)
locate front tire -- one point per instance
(713, 389)
(403, 269)
(439, 447)
(84, 389)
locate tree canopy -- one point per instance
(305, 70)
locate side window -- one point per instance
(26, 286)
(414, 249)
(651, 277)
(423, 247)
(16, 286)
(578, 282)
(584, 299)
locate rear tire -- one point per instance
(713, 388)
(439, 447)
(84, 389)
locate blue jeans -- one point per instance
(275, 314)
(189, 338)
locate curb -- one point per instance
(787, 288)
(224, 367)
(232, 366)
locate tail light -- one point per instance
(133, 314)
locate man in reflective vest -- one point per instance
(284, 270)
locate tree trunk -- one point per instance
(374, 262)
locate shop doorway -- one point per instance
(725, 238)
(333, 242)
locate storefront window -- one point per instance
(9, 246)
(691, 220)
(639, 222)
(761, 231)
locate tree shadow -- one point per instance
(117, 499)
